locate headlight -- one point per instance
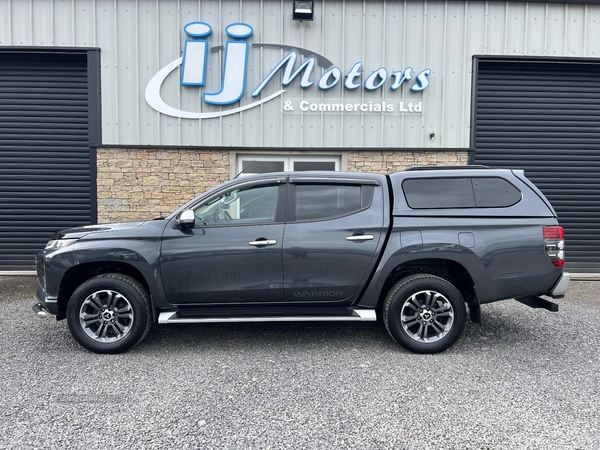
(59, 243)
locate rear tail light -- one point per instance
(554, 238)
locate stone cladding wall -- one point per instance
(138, 184)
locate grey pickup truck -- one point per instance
(413, 248)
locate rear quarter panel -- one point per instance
(506, 259)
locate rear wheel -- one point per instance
(424, 313)
(109, 313)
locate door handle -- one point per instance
(263, 242)
(360, 237)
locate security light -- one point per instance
(303, 10)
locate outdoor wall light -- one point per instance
(432, 135)
(303, 10)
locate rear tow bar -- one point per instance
(537, 302)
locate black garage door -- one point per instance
(544, 117)
(48, 118)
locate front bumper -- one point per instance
(48, 303)
(561, 286)
(52, 266)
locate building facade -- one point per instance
(116, 110)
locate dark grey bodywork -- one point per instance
(490, 254)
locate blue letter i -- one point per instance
(195, 54)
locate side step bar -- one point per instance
(355, 315)
(537, 302)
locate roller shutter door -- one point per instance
(45, 164)
(544, 117)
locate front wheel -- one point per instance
(424, 313)
(109, 313)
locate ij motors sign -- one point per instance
(193, 66)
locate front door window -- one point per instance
(238, 207)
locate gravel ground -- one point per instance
(526, 379)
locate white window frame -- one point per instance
(288, 159)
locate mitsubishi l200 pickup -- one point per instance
(413, 248)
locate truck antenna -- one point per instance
(242, 171)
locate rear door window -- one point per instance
(325, 201)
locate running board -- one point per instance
(355, 315)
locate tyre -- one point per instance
(109, 313)
(424, 313)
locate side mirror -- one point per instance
(186, 220)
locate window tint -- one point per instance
(262, 166)
(301, 166)
(443, 193)
(314, 202)
(437, 193)
(253, 205)
(495, 193)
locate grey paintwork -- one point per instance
(499, 250)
